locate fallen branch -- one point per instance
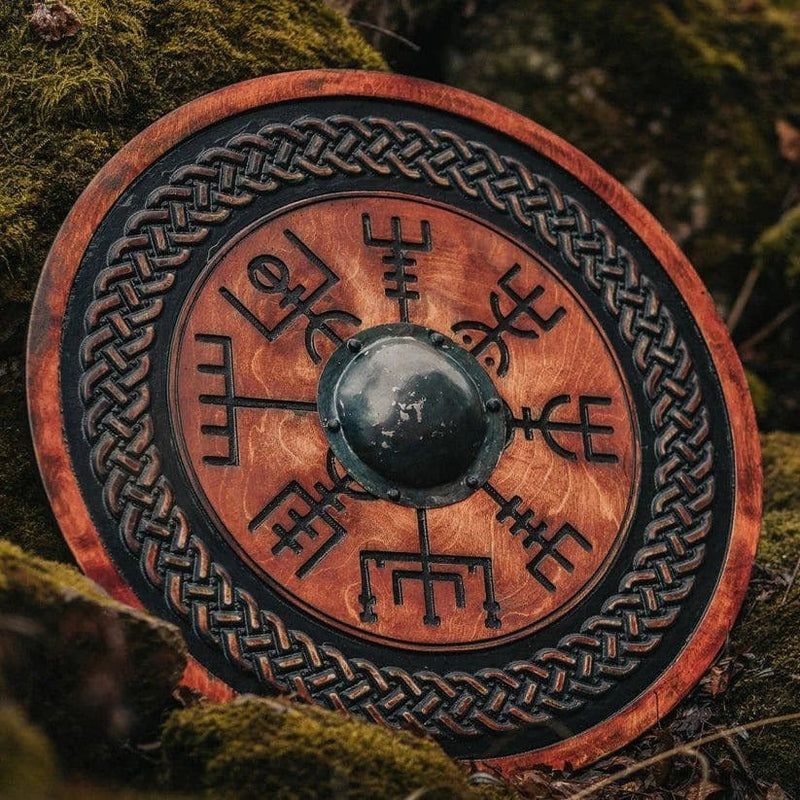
(685, 749)
(768, 329)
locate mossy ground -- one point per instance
(769, 629)
(93, 673)
(29, 768)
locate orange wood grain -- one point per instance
(454, 281)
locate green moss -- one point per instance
(27, 764)
(779, 546)
(36, 581)
(780, 453)
(256, 748)
(778, 247)
(760, 393)
(770, 628)
(770, 688)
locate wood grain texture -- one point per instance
(454, 281)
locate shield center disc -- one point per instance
(301, 359)
(411, 416)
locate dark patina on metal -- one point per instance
(411, 415)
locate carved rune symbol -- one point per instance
(426, 574)
(270, 275)
(398, 258)
(523, 308)
(316, 511)
(548, 547)
(584, 426)
(232, 402)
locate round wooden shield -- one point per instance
(394, 401)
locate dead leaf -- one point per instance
(54, 21)
(788, 140)
(776, 793)
(717, 679)
(703, 789)
(536, 785)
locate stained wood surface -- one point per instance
(239, 472)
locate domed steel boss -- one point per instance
(393, 400)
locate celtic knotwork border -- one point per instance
(114, 388)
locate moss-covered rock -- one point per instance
(256, 748)
(92, 673)
(27, 764)
(67, 106)
(769, 630)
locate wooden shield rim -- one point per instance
(61, 266)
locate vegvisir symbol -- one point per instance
(686, 465)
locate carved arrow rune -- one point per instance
(398, 258)
(536, 536)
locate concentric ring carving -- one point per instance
(120, 328)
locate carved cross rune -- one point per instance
(308, 513)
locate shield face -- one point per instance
(391, 399)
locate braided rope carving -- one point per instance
(120, 328)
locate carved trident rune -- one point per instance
(268, 274)
(425, 574)
(584, 426)
(523, 307)
(231, 402)
(398, 257)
